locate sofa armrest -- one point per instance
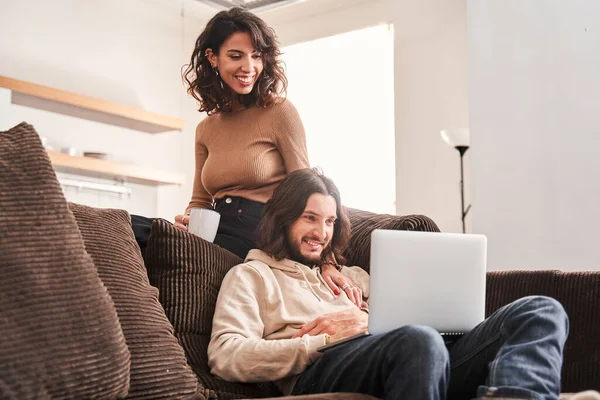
(579, 293)
(363, 223)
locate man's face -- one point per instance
(313, 230)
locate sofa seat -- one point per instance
(327, 396)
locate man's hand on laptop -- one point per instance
(338, 325)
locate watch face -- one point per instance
(333, 345)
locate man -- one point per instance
(275, 310)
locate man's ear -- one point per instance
(212, 57)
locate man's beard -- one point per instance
(295, 255)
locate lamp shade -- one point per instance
(456, 137)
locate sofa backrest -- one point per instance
(363, 223)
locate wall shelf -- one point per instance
(80, 106)
(107, 169)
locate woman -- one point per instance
(252, 137)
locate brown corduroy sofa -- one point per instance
(578, 292)
(120, 336)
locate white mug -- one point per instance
(204, 223)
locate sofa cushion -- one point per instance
(363, 223)
(159, 369)
(188, 272)
(60, 336)
(328, 396)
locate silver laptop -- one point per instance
(427, 278)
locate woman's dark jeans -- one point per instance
(237, 227)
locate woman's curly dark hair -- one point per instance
(209, 89)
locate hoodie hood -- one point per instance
(293, 267)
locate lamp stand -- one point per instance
(462, 150)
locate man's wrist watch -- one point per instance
(327, 338)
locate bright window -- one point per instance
(343, 88)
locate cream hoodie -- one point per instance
(262, 303)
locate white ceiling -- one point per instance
(280, 10)
(254, 5)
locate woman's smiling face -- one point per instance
(238, 62)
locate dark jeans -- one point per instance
(142, 226)
(237, 227)
(515, 353)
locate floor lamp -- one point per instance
(459, 139)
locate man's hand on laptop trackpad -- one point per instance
(338, 325)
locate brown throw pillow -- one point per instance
(188, 272)
(60, 336)
(159, 369)
(358, 251)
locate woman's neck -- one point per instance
(236, 104)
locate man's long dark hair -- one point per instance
(287, 205)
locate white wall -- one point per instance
(430, 87)
(128, 52)
(535, 122)
(132, 51)
(431, 94)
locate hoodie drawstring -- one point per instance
(320, 275)
(307, 282)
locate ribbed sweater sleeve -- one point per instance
(291, 138)
(200, 197)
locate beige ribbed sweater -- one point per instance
(247, 153)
